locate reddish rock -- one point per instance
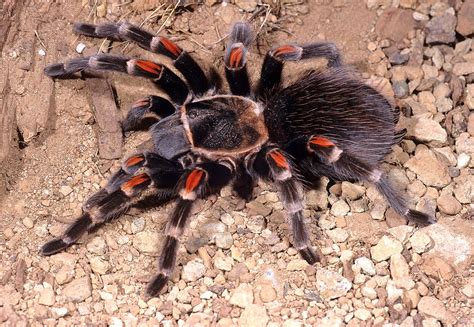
(466, 18)
(395, 24)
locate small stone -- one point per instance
(65, 190)
(398, 58)
(254, 315)
(369, 292)
(331, 285)
(420, 241)
(138, 225)
(401, 233)
(463, 68)
(424, 129)
(385, 248)
(394, 24)
(28, 222)
(468, 289)
(448, 204)
(352, 191)
(80, 47)
(97, 246)
(400, 89)
(296, 265)
(340, 208)
(59, 312)
(268, 293)
(256, 224)
(362, 314)
(465, 18)
(441, 29)
(41, 52)
(257, 208)
(437, 268)
(338, 235)
(246, 5)
(366, 265)
(223, 262)
(78, 290)
(47, 297)
(146, 242)
(242, 295)
(212, 227)
(432, 307)
(463, 160)
(429, 168)
(99, 266)
(400, 272)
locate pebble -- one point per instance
(362, 314)
(99, 266)
(331, 285)
(97, 246)
(296, 265)
(402, 232)
(465, 18)
(440, 29)
(420, 241)
(258, 208)
(400, 89)
(268, 293)
(448, 204)
(223, 262)
(367, 266)
(47, 297)
(65, 190)
(463, 68)
(41, 52)
(340, 208)
(146, 242)
(256, 224)
(78, 290)
(338, 235)
(432, 307)
(138, 225)
(352, 191)
(429, 168)
(437, 268)
(224, 240)
(242, 296)
(385, 248)
(80, 47)
(424, 129)
(193, 270)
(400, 272)
(468, 289)
(254, 316)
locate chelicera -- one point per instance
(326, 123)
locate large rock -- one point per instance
(441, 29)
(424, 130)
(430, 170)
(395, 24)
(432, 307)
(466, 18)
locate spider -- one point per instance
(326, 123)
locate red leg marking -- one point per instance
(193, 180)
(235, 57)
(321, 141)
(135, 181)
(170, 46)
(134, 160)
(141, 103)
(149, 66)
(285, 49)
(279, 159)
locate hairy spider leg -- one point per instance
(272, 67)
(162, 76)
(235, 59)
(182, 60)
(137, 116)
(198, 182)
(272, 164)
(334, 162)
(243, 183)
(124, 189)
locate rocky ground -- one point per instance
(59, 140)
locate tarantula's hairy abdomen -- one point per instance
(335, 104)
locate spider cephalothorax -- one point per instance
(327, 123)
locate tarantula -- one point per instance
(326, 123)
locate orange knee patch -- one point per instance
(134, 160)
(279, 159)
(170, 46)
(235, 57)
(149, 66)
(135, 181)
(193, 180)
(284, 49)
(321, 141)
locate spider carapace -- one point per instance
(326, 123)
